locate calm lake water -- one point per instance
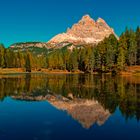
(69, 107)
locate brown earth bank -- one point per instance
(11, 70)
(22, 70)
(129, 71)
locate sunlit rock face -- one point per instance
(86, 112)
(85, 31)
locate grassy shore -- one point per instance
(130, 71)
(20, 70)
(11, 70)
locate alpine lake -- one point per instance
(69, 107)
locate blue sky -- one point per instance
(40, 20)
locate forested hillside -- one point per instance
(109, 55)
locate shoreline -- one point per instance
(7, 71)
(132, 71)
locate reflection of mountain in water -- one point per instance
(86, 112)
(110, 92)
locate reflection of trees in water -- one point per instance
(110, 92)
(21, 85)
(27, 82)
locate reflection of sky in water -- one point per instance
(40, 121)
(28, 120)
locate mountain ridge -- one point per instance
(85, 31)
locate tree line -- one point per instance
(10, 58)
(110, 55)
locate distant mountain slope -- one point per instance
(29, 44)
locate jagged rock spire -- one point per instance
(100, 20)
(87, 18)
(85, 31)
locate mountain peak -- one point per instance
(86, 31)
(86, 18)
(100, 20)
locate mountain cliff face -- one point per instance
(85, 31)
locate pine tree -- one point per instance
(19, 59)
(89, 60)
(122, 49)
(8, 59)
(65, 57)
(73, 61)
(131, 47)
(96, 59)
(2, 61)
(138, 45)
(81, 59)
(28, 62)
(121, 59)
(102, 53)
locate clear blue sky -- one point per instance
(40, 20)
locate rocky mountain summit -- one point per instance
(86, 31)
